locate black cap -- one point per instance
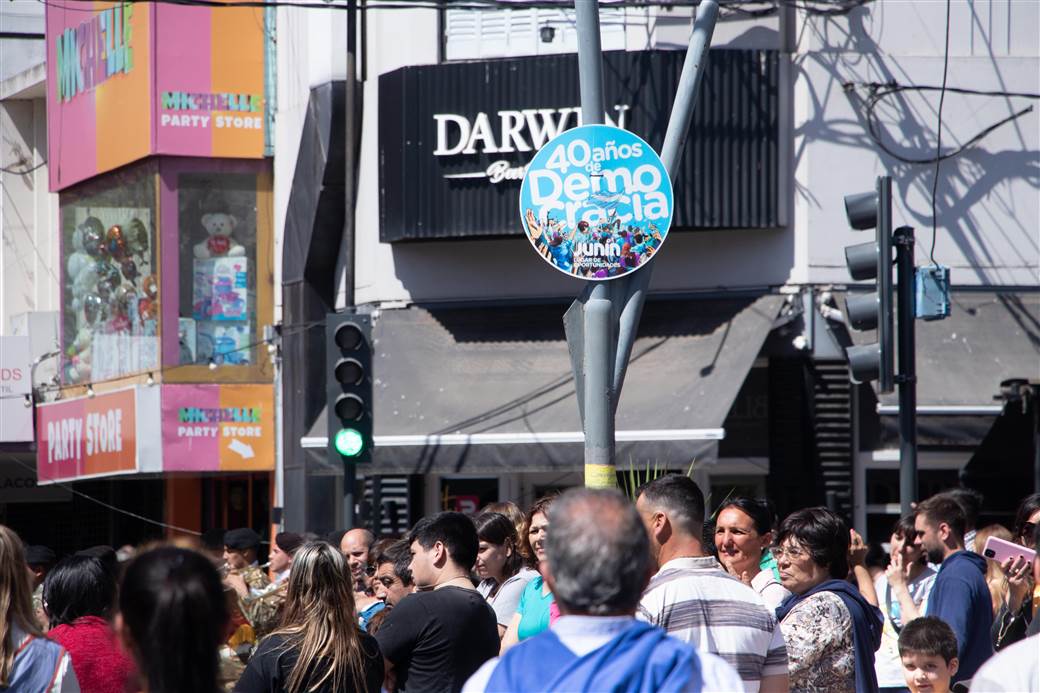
(213, 539)
(288, 541)
(241, 539)
(40, 555)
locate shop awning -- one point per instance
(961, 361)
(490, 389)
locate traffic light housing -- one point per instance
(348, 349)
(873, 310)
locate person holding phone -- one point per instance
(1015, 619)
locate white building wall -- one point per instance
(988, 199)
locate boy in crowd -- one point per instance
(928, 650)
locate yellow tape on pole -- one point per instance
(600, 476)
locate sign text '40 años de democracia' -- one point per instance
(596, 202)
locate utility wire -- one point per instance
(103, 504)
(816, 7)
(23, 171)
(879, 91)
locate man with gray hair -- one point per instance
(598, 563)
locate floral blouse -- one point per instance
(819, 645)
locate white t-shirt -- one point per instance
(1014, 669)
(887, 663)
(584, 634)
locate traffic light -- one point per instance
(872, 260)
(348, 349)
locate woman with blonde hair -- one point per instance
(319, 647)
(29, 663)
(995, 580)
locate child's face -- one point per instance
(926, 672)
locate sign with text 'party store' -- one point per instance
(127, 80)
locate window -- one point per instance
(476, 34)
(110, 286)
(217, 215)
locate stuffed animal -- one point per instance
(219, 242)
(78, 258)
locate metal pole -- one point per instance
(671, 154)
(598, 309)
(1034, 401)
(349, 193)
(907, 377)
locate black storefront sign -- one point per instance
(454, 138)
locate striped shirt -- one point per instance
(697, 601)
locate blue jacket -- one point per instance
(641, 659)
(960, 597)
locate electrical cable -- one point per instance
(104, 504)
(938, 132)
(23, 172)
(814, 7)
(879, 91)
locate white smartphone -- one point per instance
(1000, 550)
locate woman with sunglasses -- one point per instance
(1016, 618)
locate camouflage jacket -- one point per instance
(263, 609)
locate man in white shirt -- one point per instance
(598, 563)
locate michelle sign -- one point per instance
(596, 202)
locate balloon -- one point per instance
(151, 287)
(94, 240)
(121, 300)
(104, 290)
(137, 236)
(93, 308)
(108, 273)
(115, 241)
(146, 309)
(130, 270)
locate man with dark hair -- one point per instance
(393, 579)
(598, 561)
(435, 639)
(243, 573)
(698, 602)
(960, 595)
(970, 501)
(263, 609)
(40, 560)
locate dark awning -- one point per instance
(490, 389)
(961, 361)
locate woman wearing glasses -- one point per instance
(831, 631)
(1016, 618)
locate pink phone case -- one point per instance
(999, 550)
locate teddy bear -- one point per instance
(219, 242)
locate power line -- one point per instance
(879, 91)
(104, 504)
(24, 171)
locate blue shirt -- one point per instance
(961, 598)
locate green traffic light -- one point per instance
(349, 442)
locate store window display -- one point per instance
(109, 284)
(217, 218)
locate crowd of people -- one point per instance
(586, 591)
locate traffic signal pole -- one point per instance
(906, 379)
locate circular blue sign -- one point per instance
(596, 202)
